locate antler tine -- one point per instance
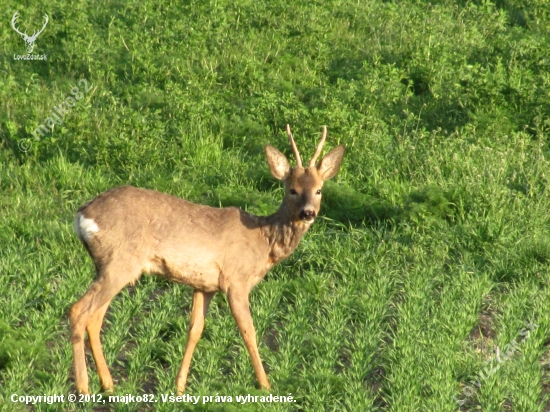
(45, 23)
(13, 21)
(294, 147)
(14, 18)
(35, 34)
(319, 148)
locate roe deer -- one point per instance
(128, 231)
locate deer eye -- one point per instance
(293, 192)
(318, 192)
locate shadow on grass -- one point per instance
(343, 204)
(429, 203)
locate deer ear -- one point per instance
(277, 162)
(330, 164)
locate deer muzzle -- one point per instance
(307, 215)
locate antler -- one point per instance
(35, 34)
(294, 148)
(319, 148)
(13, 20)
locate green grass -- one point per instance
(434, 243)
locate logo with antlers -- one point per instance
(28, 39)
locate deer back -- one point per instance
(172, 237)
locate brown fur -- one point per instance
(139, 231)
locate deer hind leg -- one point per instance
(94, 329)
(83, 312)
(238, 302)
(201, 301)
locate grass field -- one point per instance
(433, 248)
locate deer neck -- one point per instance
(281, 233)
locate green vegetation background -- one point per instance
(433, 249)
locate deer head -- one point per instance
(303, 184)
(28, 39)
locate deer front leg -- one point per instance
(238, 302)
(201, 301)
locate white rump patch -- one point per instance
(85, 228)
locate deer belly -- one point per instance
(197, 274)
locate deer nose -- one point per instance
(307, 214)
